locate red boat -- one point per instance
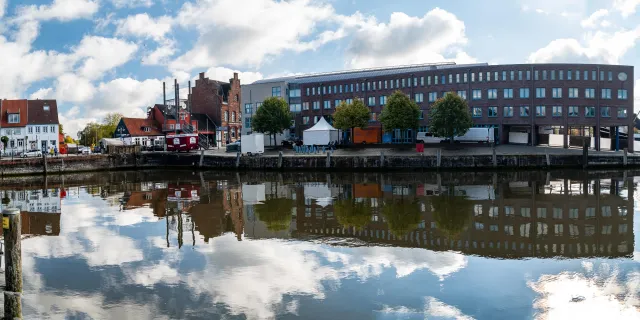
(182, 142)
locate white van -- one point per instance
(427, 137)
(477, 135)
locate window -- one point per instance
(590, 93)
(44, 129)
(30, 129)
(403, 85)
(520, 75)
(569, 74)
(369, 85)
(53, 129)
(524, 111)
(476, 94)
(488, 76)
(443, 80)
(398, 83)
(577, 74)
(327, 104)
(622, 112)
(464, 78)
(473, 77)
(305, 120)
(589, 112)
(419, 97)
(492, 112)
(421, 115)
(508, 93)
(295, 93)
(594, 75)
(38, 129)
(601, 75)
(606, 94)
(504, 76)
(586, 75)
(316, 119)
(340, 88)
(561, 74)
(480, 76)
(383, 100)
(605, 112)
(305, 106)
(610, 76)
(248, 108)
(457, 78)
(492, 94)
(226, 118)
(14, 118)
(573, 93)
(462, 94)
(433, 96)
(372, 101)
(524, 93)
(528, 75)
(324, 90)
(476, 112)
(540, 92)
(557, 111)
(557, 92)
(535, 75)
(512, 75)
(372, 117)
(495, 76)
(295, 107)
(622, 94)
(544, 75)
(316, 105)
(349, 101)
(450, 78)
(553, 74)
(507, 111)
(573, 111)
(541, 111)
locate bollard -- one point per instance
(201, 157)
(328, 163)
(279, 159)
(585, 154)
(495, 158)
(13, 263)
(624, 159)
(546, 151)
(238, 160)
(44, 159)
(438, 157)
(381, 159)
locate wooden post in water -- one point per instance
(238, 160)
(381, 159)
(279, 159)
(546, 153)
(44, 159)
(495, 158)
(201, 157)
(13, 263)
(328, 163)
(624, 159)
(585, 154)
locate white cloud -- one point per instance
(440, 310)
(246, 32)
(73, 88)
(598, 47)
(626, 7)
(162, 53)
(596, 19)
(440, 33)
(566, 8)
(63, 10)
(3, 7)
(103, 54)
(42, 93)
(132, 3)
(141, 25)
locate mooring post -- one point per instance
(624, 157)
(546, 153)
(13, 263)
(585, 153)
(328, 163)
(44, 159)
(495, 158)
(201, 158)
(438, 157)
(238, 160)
(381, 159)
(280, 160)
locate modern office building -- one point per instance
(532, 104)
(252, 96)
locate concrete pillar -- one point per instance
(596, 137)
(565, 137)
(617, 138)
(533, 133)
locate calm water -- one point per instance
(183, 245)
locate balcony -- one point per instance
(178, 127)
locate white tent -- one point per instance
(320, 134)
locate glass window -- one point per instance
(536, 76)
(372, 101)
(295, 107)
(305, 106)
(590, 93)
(573, 93)
(561, 74)
(248, 108)
(507, 111)
(495, 76)
(520, 75)
(577, 74)
(528, 75)
(316, 105)
(524, 111)
(508, 93)
(435, 79)
(415, 82)
(586, 75)
(573, 111)
(589, 112)
(594, 75)
(622, 94)
(14, 118)
(557, 111)
(512, 75)
(327, 104)
(622, 112)
(476, 112)
(307, 91)
(462, 94)
(605, 112)
(488, 76)
(457, 78)
(476, 94)
(464, 78)
(492, 94)
(540, 92)
(541, 111)
(450, 78)
(601, 75)
(473, 77)
(419, 97)
(294, 93)
(610, 76)
(504, 76)
(544, 74)
(569, 74)
(606, 94)
(383, 100)
(433, 96)
(492, 112)
(524, 93)
(557, 92)
(479, 76)
(421, 82)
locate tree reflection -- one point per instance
(352, 213)
(451, 212)
(275, 213)
(402, 215)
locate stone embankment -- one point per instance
(380, 162)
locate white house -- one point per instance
(13, 122)
(42, 125)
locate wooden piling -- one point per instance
(13, 263)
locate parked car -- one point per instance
(84, 150)
(234, 146)
(32, 153)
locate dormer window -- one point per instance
(46, 107)
(146, 129)
(14, 118)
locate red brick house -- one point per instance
(165, 116)
(218, 102)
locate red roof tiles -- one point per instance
(136, 127)
(13, 107)
(42, 112)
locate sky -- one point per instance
(102, 56)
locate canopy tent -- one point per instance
(321, 134)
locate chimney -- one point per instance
(201, 75)
(235, 76)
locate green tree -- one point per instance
(400, 113)
(402, 215)
(109, 124)
(273, 117)
(275, 213)
(352, 213)
(450, 117)
(451, 212)
(351, 116)
(61, 129)
(68, 139)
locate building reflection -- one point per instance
(39, 209)
(518, 219)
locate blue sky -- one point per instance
(101, 56)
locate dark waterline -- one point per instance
(220, 245)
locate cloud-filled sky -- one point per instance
(101, 56)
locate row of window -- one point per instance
(558, 213)
(572, 93)
(459, 78)
(30, 129)
(233, 116)
(556, 111)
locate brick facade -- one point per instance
(220, 101)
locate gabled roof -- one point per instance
(13, 106)
(136, 125)
(168, 112)
(322, 125)
(38, 115)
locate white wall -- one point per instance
(555, 140)
(36, 135)
(34, 200)
(518, 137)
(143, 141)
(15, 135)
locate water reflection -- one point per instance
(211, 246)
